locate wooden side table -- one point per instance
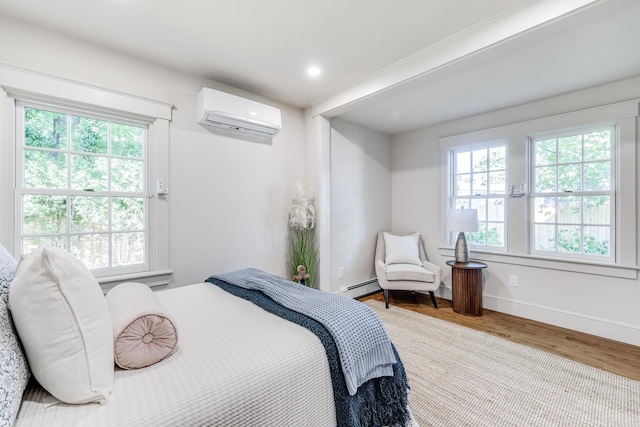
(466, 287)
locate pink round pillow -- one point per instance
(143, 332)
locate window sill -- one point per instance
(150, 278)
(574, 266)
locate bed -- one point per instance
(236, 364)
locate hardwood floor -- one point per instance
(618, 358)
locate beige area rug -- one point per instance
(462, 377)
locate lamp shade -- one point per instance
(462, 220)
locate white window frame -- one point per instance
(624, 116)
(611, 193)
(490, 195)
(17, 84)
(22, 191)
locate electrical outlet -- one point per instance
(513, 280)
(340, 272)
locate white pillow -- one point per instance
(143, 331)
(402, 249)
(64, 324)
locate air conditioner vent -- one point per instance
(237, 114)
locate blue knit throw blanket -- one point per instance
(381, 401)
(363, 344)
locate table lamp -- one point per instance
(462, 220)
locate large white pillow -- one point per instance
(402, 249)
(64, 324)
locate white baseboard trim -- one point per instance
(601, 327)
(593, 325)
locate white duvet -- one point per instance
(235, 365)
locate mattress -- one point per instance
(236, 365)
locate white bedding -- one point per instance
(236, 365)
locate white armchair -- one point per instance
(401, 264)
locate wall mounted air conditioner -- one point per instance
(237, 114)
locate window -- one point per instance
(81, 185)
(479, 181)
(572, 199)
(125, 139)
(571, 189)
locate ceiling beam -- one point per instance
(505, 32)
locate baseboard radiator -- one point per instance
(361, 284)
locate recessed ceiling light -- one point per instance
(313, 71)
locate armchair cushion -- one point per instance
(409, 272)
(402, 249)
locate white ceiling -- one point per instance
(578, 52)
(391, 66)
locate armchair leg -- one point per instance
(386, 297)
(433, 299)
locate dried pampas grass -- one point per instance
(303, 245)
(302, 215)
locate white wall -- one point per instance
(360, 199)
(599, 305)
(317, 171)
(229, 197)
